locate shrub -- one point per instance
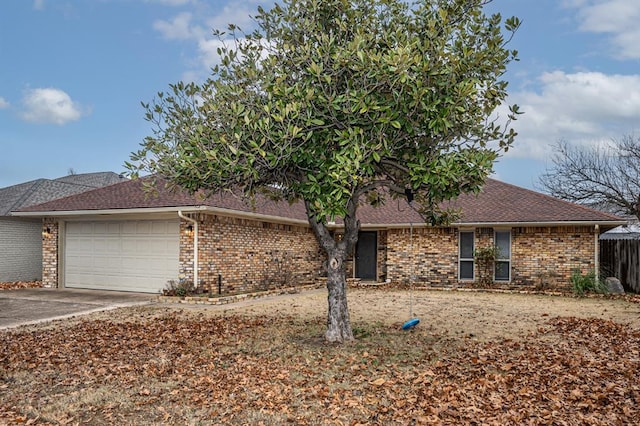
(277, 271)
(179, 288)
(588, 283)
(485, 258)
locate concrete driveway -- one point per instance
(34, 305)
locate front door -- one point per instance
(366, 251)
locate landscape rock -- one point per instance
(614, 286)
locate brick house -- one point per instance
(20, 237)
(120, 238)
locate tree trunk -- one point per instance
(338, 323)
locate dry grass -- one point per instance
(475, 358)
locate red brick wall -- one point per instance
(50, 253)
(546, 257)
(250, 254)
(433, 259)
(541, 256)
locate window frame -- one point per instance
(501, 259)
(466, 259)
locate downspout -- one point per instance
(597, 253)
(195, 247)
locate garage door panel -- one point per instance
(100, 229)
(122, 255)
(107, 245)
(153, 246)
(130, 228)
(80, 245)
(80, 227)
(79, 263)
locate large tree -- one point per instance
(605, 177)
(336, 103)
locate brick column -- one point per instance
(50, 253)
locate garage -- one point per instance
(125, 255)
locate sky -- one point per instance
(73, 74)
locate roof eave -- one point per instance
(550, 223)
(301, 222)
(100, 212)
(490, 224)
(151, 210)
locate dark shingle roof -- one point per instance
(503, 202)
(92, 180)
(497, 203)
(131, 195)
(39, 191)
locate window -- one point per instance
(503, 261)
(465, 255)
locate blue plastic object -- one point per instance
(410, 324)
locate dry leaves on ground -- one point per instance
(20, 284)
(184, 368)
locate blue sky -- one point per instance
(74, 72)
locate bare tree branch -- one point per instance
(607, 178)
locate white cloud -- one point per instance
(3, 103)
(583, 108)
(239, 15)
(50, 105)
(208, 52)
(38, 4)
(197, 26)
(617, 18)
(179, 28)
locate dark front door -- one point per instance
(366, 250)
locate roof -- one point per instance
(92, 180)
(624, 232)
(503, 202)
(131, 195)
(40, 191)
(497, 203)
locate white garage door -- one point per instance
(140, 255)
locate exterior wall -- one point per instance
(249, 254)
(20, 250)
(546, 257)
(431, 255)
(50, 247)
(542, 257)
(382, 256)
(253, 255)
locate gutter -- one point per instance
(486, 224)
(195, 246)
(101, 212)
(597, 252)
(213, 210)
(303, 222)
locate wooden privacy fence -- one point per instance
(620, 258)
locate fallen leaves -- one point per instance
(20, 284)
(378, 382)
(181, 369)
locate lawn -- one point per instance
(476, 358)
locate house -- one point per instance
(121, 238)
(20, 237)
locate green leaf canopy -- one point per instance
(331, 100)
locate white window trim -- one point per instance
(503, 259)
(461, 259)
